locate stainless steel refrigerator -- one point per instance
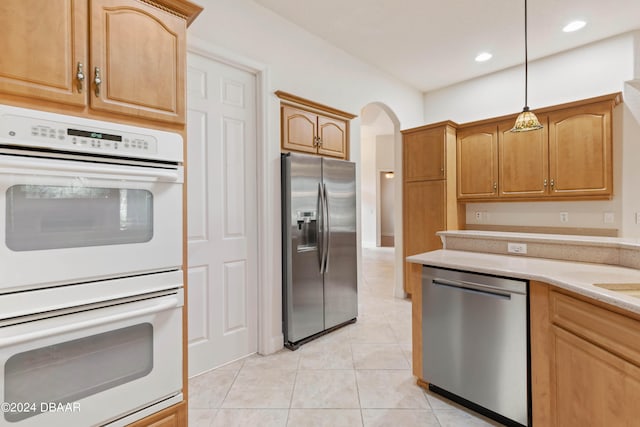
(319, 266)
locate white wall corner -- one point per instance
(636, 54)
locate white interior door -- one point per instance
(222, 218)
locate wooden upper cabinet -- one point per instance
(42, 44)
(522, 161)
(426, 159)
(477, 162)
(580, 151)
(309, 127)
(115, 56)
(570, 158)
(299, 130)
(332, 137)
(138, 52)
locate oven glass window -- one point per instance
(70, 371)
(49, 217)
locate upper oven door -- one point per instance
(67, 221)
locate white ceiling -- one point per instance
(432, 43)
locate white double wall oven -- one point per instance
(91, 286)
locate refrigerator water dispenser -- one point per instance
(307, 224)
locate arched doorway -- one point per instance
(381, 164)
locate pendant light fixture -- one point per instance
(526, 120)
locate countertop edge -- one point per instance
(552, 272)
(612, 242)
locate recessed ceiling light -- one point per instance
(484, 56)
(573, 26)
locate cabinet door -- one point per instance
(523, 161)
(591, 386)
(423, 154)
(424, 215)
(299, 130)
(580, 155)
(140, 52)
(333, 137)
(477, 162)
(41, 45)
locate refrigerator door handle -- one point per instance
(326, 225)
(320, 228)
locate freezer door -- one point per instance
(303, 313)
(340, 277)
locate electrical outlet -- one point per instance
(478, 216)
(564, 216)
(517, 248)
(609, 218)
(637, 217)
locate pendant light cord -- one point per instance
(526, 59)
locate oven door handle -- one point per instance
(159, 305)
(26, 166)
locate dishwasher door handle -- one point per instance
(477, 288)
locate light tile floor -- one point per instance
(359, 375)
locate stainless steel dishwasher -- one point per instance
(475, 342)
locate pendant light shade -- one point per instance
(526, 121)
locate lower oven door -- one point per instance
(93, 367)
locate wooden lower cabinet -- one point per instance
(590, 385)
(585, 361)
(174, 416)
(424, 215)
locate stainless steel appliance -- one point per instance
(319, 261)
(475, 342)
(91, 286)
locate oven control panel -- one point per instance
(29, 131)
(24, 128)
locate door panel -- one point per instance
(477, 162)
(333, 137)
(427, 158)
(41, 51)
(139, 50)
(302, 281)
(221, 200)
(580, 151)
(299, 130)
(522, 158)
(340, 279)
(591, 386)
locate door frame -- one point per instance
(270, 339)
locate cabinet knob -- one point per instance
(552, 183)
(97, 80)
(545, 183)
(495, 186)
(80, 76)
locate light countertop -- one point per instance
(578, 277)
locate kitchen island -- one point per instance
(584, 319)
